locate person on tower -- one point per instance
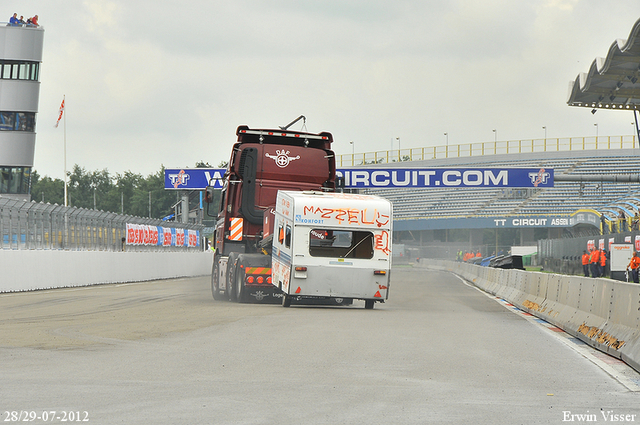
(14, 21)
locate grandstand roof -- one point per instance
(612, 82)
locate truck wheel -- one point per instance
(215, 273)
(368, 304)
(239, 285)
(286, 300)
(231, 275)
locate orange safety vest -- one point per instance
(595, 256)
(634, 263)
(603, 259)
(585, 259)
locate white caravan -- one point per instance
(330, 245)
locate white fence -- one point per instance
(32, 225)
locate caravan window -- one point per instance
(287, 236)
(340, 243)
(280, 234)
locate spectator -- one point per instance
(633, 265)
(21, 21)
(603, 261)
(594, 259)
(14, 20)
(603, 224)
(585, 263)
(623, 222)
(34, 21)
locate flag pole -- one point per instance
(66, 199)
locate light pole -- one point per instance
(399, 158)
(544, 127)
(353, 153)
(446, 149)
(495, 135)
(596, 126)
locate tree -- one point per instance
(130, 193)
(46, 189)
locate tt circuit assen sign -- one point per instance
(584, 217)
(200, 178)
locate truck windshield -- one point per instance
(340, 243)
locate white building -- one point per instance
(20, 58)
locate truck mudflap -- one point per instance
(253, 279)
(262, 294)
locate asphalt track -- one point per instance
(163, 352)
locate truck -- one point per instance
(332, 246)
(262, 162)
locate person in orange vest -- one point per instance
(585, 263)
(478, 255)
(603, 261)
(633, 265)
(594, 259)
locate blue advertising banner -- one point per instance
(200, 178)
(193, 178)
(447, 177)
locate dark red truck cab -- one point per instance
(262, 162)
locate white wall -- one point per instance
(22, 270)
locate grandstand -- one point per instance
(564, 198)
(420, 209)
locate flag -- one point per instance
(60, 112)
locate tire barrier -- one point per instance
(603, 313)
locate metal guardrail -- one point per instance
(25, 25)
(487, 148)
(31, 225)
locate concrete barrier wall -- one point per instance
(603, 313)
(43, 269)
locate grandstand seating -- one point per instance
(564, 198)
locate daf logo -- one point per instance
(259, 295)
(282, 158)
(179, 179)
(539, 177)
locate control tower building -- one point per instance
(20, 58)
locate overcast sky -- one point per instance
(164, 82)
